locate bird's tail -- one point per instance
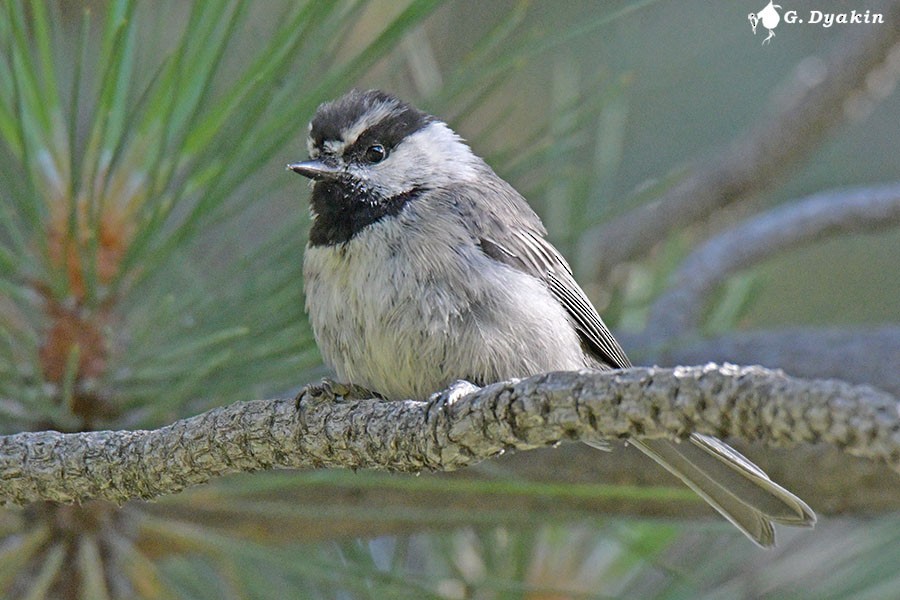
(731, 484)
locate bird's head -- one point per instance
(370, 154)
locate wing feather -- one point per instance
(528, 251)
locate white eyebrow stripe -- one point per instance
(374, 115)
(370, 118)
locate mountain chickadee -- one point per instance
(424, 268)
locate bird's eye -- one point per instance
(375, 153)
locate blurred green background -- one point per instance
(150, 251)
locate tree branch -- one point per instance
(856, 355)
(819, 95)
(751, 403)
(680, 308)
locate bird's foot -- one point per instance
(455, 391)
(329, 390)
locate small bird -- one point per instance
(425, 268)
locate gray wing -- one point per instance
(528, 251)
(730, 483)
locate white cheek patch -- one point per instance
(434, 155)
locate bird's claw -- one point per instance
(330, 390)
(455, 391)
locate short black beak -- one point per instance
(315, 169)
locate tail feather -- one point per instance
(731, 484)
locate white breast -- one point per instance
(403, 314)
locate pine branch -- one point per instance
(444, 433)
